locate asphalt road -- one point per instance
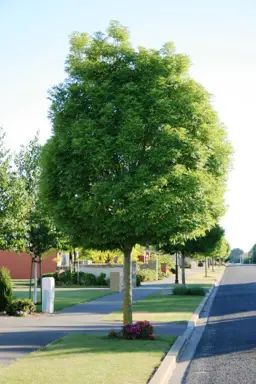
(226, 352)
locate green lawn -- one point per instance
(20, 283)
(205, 282)
(161, 308)
(65, 299)
(90, 359)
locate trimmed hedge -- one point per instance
(193, 291)
(83, 279)
(146, 275)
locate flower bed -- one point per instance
(139, 330)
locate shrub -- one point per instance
(101, 279)
(147, 275)
(138, 280)
(138, 330)
(162, 275)
(114, 334)
(66, 277)
(89, 279)
(5, 288)
(197, 291)
(20, 307)
(52, 274)
(193, 291)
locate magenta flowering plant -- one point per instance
(139, 330)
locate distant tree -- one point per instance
(42, 235)
(137, 153)
(202, 246)
(13, 203)
(235, 255)
(252, 254)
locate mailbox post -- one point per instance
(48, 286)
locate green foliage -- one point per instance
(68, 278)
(235, 255)
(42, 235)
(20, 307)
(137, 153)
(163, 259)
(101, 257)
(101, 279)
(162, 275)
(146, 275)
(13, 203)
(5, 288)
(192, 291)
(134, 140)
(139, 280)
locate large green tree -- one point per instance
(137, 152)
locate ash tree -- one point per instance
(137, 153)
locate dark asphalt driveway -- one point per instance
(227, 350)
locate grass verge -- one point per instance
(161, 307)
(65, 299)
(90, 359)
(165, 307)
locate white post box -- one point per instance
(48, 285)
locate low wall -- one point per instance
(97, 269)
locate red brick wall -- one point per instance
(19, 264)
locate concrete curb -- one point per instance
(168, 365)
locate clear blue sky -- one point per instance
(219, 36)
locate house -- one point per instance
(19, 264)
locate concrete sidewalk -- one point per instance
(22, 335)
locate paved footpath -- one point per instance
(227, 350)
(23, 335)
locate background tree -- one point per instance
(42, 235)
(137, 152)
(235, 255)
(13, 203)
(202, 246)
(252, 254)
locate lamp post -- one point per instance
(176, 270)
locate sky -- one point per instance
(219, 36)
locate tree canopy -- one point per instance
(13, 203)
(137, 152)
(235, 255)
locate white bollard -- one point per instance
(48, 285)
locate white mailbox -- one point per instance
(48, 285)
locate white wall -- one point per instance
(97, 270)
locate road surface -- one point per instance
(226, 353)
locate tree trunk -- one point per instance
(31, 274)
(127, 306)
(76, 264)
(212, 264)
(35, 281)
(41, 290)
(205, 267)
(183, 275)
